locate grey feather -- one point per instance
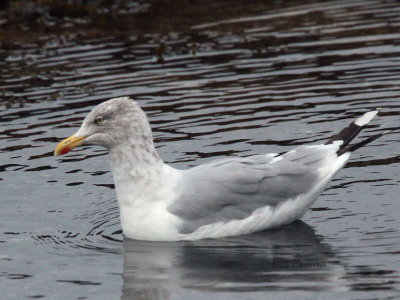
(234, 188)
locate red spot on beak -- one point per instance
(65, 150)
(68, 144)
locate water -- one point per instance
(278, 77)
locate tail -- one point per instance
(350, 132)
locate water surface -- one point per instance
(266, 82)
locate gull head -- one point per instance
(112, 123)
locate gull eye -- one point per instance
(99, 120)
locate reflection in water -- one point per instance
(252, 77)
(293, 256)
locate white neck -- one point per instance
(145, 187)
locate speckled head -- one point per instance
(114, 122)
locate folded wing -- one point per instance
(232, 189)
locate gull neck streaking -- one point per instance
(227, 197)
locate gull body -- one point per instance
(232, 196)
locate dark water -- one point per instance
(266, 82)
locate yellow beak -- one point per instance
(68, 144)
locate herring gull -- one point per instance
(231, 196)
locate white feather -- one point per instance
(366, 118)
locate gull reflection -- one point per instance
(289, 258)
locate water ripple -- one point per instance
(239, 86)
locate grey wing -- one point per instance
(234, 188)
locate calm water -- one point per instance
(278, 78)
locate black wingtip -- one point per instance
(354, 147)
(346, 135)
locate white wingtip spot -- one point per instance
(338, 142)
(365, 118)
